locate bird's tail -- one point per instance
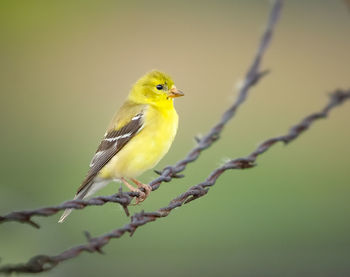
(88, 190)
(68, 211)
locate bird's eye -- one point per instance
(159, 87)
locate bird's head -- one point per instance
(155, 88)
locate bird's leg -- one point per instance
(142, 196)
(147, 188)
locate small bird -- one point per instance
(137, 138)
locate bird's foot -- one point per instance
(147, 189)
(142, 195)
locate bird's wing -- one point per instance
(113, 141)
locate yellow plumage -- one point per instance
(146, 149)
(139, 135)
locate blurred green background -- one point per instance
(67, 65)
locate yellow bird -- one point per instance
(138, 137)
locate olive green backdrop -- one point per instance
(67, 65)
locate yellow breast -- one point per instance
(147, 148)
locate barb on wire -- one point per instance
(42, 263)
(253, 75)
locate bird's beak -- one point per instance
(174, 92)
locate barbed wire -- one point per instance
(42, 263)
(252, 76)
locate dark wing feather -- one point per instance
(111, 144)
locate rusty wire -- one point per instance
(42, 263)
(252, 76)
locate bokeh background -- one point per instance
(67, 65)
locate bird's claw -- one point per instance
(142, 195)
